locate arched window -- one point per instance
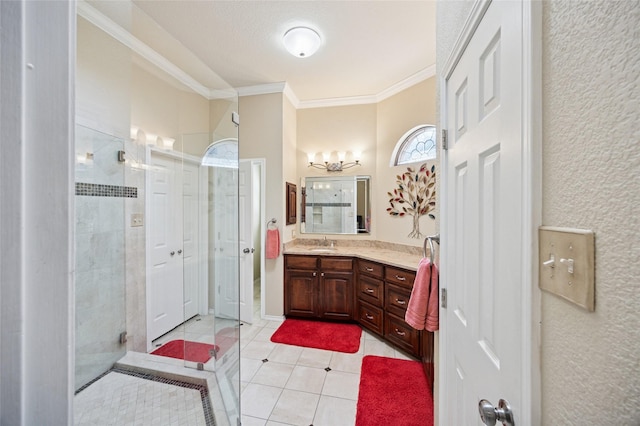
(418, 144)
(222, 153)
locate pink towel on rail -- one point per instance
(273, 243)
(422, 310)
(433, 312)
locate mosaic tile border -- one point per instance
(100, 190)
(328, 204)
(209, 418)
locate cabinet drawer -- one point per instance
(400, 276)
(371, 268)
(396, 299)
(300, 262)
(370, 317)
(371, 290)
(400, 333)
(336, 264)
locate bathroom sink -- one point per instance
(323, 250)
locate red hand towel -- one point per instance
(433, 313)
(416, 314)
(273, 243)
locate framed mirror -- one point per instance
(336, 205)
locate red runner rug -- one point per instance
(393, 392)
(330, 336)
(187, 350)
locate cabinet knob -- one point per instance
(315, 274)
(322, 274)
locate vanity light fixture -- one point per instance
(333, 166)
(301, 42)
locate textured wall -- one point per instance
(591, 180)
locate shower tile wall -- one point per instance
(331, 207)
(100, 253)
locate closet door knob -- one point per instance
(180, 251)
(172, 253)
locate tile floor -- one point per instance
(290, 385)
(280, 384)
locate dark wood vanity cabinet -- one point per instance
(370, 301)
(319, 287)
(398, 285)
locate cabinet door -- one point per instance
(300, 296)
(337, 294)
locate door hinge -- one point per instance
(443, 297)
(445, 140)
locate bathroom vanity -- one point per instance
(365, 285)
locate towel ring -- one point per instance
(430, 240)
(272, 222)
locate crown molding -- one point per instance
(94, 16)
(262, 89)
(407, 82)
(333, 102)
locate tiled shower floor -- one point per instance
(123, 398)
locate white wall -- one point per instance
(395, 116)
(261, 136)
(591, 166)
(36, 212)
(591, 163)
(374, 130)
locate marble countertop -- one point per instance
(376, 252)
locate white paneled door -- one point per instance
(245, 213)
(486, 328)
(226, 248)
(172, 242)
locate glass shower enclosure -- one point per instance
(157, 258)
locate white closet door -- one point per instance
(190, 197)
(164, 280)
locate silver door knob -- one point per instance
(489, 414)
(246, 250)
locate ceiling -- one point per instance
(368, 47)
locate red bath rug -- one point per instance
(393, 392)
(187, 350)
(319, 334)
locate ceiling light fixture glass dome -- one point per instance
(301, 41)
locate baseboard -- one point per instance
(273, 317)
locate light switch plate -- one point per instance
(137, 219)
(567, 264)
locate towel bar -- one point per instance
(430, 240)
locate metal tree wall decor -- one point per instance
(415, 196)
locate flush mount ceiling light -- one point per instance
(301, 41)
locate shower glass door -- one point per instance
(100, 195)
(211, 257)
